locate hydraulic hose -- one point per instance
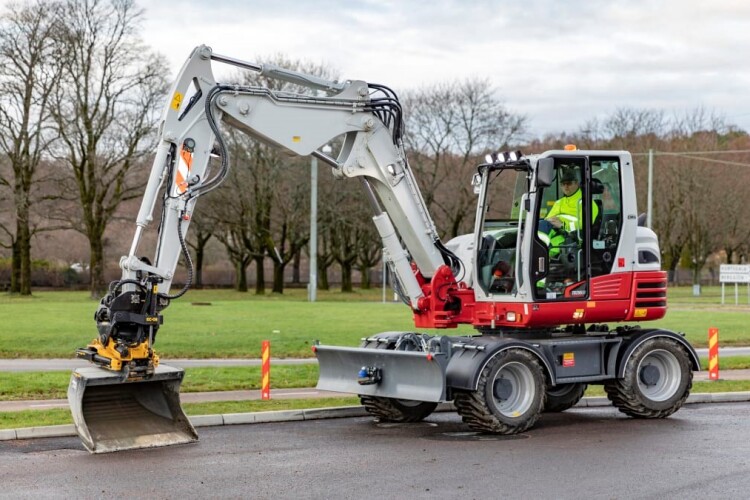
(188, 261)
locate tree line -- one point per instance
(80, 96)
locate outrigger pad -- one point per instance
(112, 414)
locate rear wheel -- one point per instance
(563, 396)
(656, 382)
(397, 410)
(510, 394)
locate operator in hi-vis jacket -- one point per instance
(565, 214)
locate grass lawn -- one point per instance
(20, 386)
(54, 324)
(34, 418)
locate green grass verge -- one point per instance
(16, 386)
(35, 418)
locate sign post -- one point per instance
(734, 273)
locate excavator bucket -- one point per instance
(112, 414)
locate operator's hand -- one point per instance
(556, 223)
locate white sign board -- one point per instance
(734, 273)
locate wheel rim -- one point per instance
(513, 389)
(659, 375)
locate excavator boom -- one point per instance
(129, 400)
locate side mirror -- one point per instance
(476, 182)
(545, 172)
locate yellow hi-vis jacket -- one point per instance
(568, 210)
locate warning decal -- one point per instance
(568, 359)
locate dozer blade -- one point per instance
(393, 374)
(112, 414)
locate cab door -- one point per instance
(560, 250)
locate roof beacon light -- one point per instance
(570, 147)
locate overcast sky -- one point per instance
(558, 62)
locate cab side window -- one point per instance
(605, 230)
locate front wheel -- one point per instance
(397, 410)
(510, 394)
(656, 382)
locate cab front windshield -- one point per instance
(496, 258)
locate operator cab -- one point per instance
(576, 216)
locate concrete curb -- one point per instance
(325, 413)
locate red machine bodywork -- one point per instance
(627, 296)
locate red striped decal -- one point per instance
(184, 165)
(265, 370)
(713, 354)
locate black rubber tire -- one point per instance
(661, 392)
(482, 410)
(397, 410)
(563, 396)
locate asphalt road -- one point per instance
(701, 451)
(24, 365)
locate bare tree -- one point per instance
(450, 126)
(279, 184)
(237, 211)
(290, 218)
(29, 69)
(106, 109)
(703, 209)
(631, 127)
(369, 253)
(200, 234)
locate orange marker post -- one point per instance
(713, 354)
(265, 370)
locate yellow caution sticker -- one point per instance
(568, 359)
(176, 101)
(296, 138)
(640, 312)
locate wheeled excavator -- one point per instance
(539, 284)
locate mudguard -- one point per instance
(466, 364)
(639, 336)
